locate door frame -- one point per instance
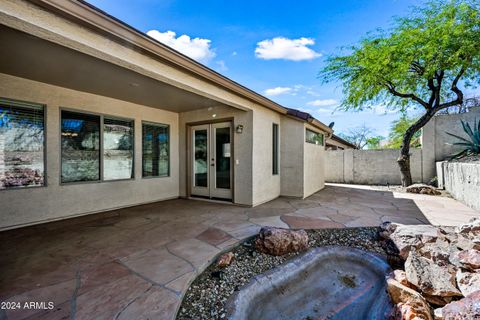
(189, 146)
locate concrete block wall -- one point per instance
(369, 166)
(462, 181)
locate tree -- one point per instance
(397, 132)
(362, 137)
(422, 60)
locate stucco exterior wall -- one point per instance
(55, 201)
(462, 181)
(314, 166)
(369, 166)
(266, 186)
(291, 151)
(242, 144)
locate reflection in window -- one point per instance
(22, 136)
(155, 144)
(80, 147)
(314, 137)
(117, 149)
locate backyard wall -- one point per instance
(369, 166)
(462, 181)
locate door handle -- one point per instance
(213, 164)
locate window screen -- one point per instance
(155, 150)
(80, 147)
(313, 137)
(275, 149)
(22, 145)
(117, 149)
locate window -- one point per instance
(275, 149)
(314, 137)
(80, 147)
(22, 145)
(117, 149)
(156, 153)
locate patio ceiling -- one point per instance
(33, 58)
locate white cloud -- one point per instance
(196, 48)
(323, 103)
(277, 91)
(288, 49)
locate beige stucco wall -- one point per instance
(55, 201)
(291, 146)
(242, 162)
(314, 166)
(265, 185)
(369, 166)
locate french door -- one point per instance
(211, 160)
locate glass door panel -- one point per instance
(222, 158)
(201, 158)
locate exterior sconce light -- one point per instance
(239, 128)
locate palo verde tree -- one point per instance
(424, 59)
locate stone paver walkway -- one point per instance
(136, 263)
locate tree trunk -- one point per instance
(404, 159)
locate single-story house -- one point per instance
(334, 142)
(95, 115)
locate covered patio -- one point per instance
(138, 262)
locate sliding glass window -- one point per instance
(80, 147)
(117, 149)
(22, 145)
(155, 147)
(314, 137)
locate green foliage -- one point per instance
(429, 48)
(471, 144)
(397, 131)
(374, 142)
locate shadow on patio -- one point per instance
(140, 260)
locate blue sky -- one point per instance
(276, 45)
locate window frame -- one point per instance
(23, 103)
(316, 132)
(158, 124)
(275, 149)
(101, 149)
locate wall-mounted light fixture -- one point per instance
(239, 128)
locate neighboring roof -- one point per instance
(94, 18)
(343, 141)
(307, 117)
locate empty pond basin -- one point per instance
(324, 283)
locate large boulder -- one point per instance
(468, 282)
(279, 241)
(467, 308)
(409, 303)
(423, 189)
(429, 277)
(470, 259)
(406, 237)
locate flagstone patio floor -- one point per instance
(136, 263)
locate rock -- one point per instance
(279, 241)
(423, 189)
(468, 282)
(409, 303)
(386, 229)
(437, 314)
(470, 259)
(467, 308)
(225, 260)
(406, 237)
(436, 300)
(401, 277)
(473, 226)
(429, 277)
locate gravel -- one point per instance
(206, 297)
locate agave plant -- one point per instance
(472, 143)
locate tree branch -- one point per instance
(392, 90)
(455, 89)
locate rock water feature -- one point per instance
(325, 283)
